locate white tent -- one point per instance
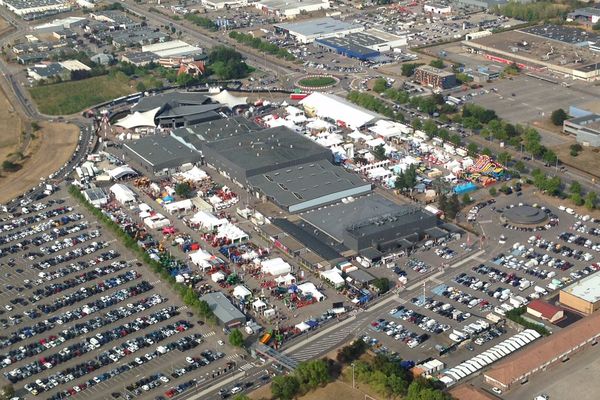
(182, 205)
(228, 99)
(275, 266)
(195, 174)
(326, 105)
(232, 232)
(156, 221)
(333, 276)
(386, 129)
(259, 305)
(207, 220)
(310, 288)
(201, 258)
(217, 276)
(138, 119)
(302, 326)
(288, 279)
(122, 193)
(121, 171)
(241, 292)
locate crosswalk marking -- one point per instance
(246, 367)
(209, 334)
(232, 357)
(182, 308)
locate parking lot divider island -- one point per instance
(187, 293)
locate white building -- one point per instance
(292, 8)
(220, 4)
(437, 8)
(320, 28)
(122, 193)
(172, 48)
(325, 105)
(25, 7)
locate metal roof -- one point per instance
(319, 26)
(223, 309)
(162, 152)
(587, 289)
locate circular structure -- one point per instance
(317, 82)
(525, 215)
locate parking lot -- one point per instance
(81, 316)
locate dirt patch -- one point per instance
(586, 158)
(51, 148)
(12, 125)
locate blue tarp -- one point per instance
(465, 188)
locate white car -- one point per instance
(496, 390)
(221, 343)
(236, 389)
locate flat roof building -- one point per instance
(139, 58)
(320, 28)
(338, 109)
(582, 296)
(434, 77)
(291, 9)
(586, 129)
(545, 353)
(227, 314)
(587, 15)
(26, 8)
(172, 48)
(157, 153)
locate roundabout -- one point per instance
(313, 82)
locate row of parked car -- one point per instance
(558, 248)
(34, 348)
(89, 344)
(42, 239)
(40, 227)
(11, 222)
(89, 291)
(121, 369)
(75, 267)
(444, 309)
(89, 308)
(72, 254)
(418, 265)
(579, 240)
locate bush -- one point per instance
(493, 192)
(515, 315)
(558, 117)
(259, 44)
(10, 166)
(236, 338)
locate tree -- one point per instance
(520, 166)
(236, 338)
(379, 153)
(437, 63)
(575, 149)
(590, 200)
(416, 124)
(312, 374)
(10, 166)
(575, 188)
(577, 199)
(285, 387)
(184, 190)
(8, 392)
(352, 352)
(35, 126)
(549, 157)
(472, 149)
(486, 151)
(466, 199)
(493, 191)
(140, 86)
(455, 139)
(504, 158)
(558, 117)
(380, 85)
(383, 285)
(408, 69)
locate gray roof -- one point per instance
(24, 4)
(215, 130)
(94, 194)
(267, 148)
(315, 240)
(161, 152)
(304, 182)
(319, 26)
(335, 218)
(223, 309)
(561, 33)
(171, 111)
(49, 70)
(405, 215)
(347, 43)
(585, 12)
(361, 276)
(140, 57)
(173, 98)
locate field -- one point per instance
(317, 81)
(586, 158)
(52, 147)
(75, 96)
(12, 125)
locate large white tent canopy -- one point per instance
(121, 171)
(207, 220)
(275, 266)
(138, 119)
(195, 174)
(326, 105)
(122, 193)
(228, 99)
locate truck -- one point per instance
(540, 290)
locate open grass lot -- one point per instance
(317, 81)
(75, 96)
(47, 153)
(11, 124)
(588, 160)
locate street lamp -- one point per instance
(353, 381)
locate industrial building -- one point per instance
(586, 129)
(435, 78)
(338, 109)
(582, 296)
(291, 9)
(221, 4)
(158, 154)
(172, 48)
(195, 137)
(227, 314)
(308, 185)
(320, 28)
(59, 24)
(31, 8)
(546, 353)
(562, 50)
(139, 58)
(546, 311)
(585, 16)
(437, 8)
(348, 47)
(486, 4)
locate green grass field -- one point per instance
(317, 81)
(75, 96)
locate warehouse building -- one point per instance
(486, 4)
(437, 8)
(32, 8)
(320, 28)
(227, 314)
(582, 296)
(338, 109)
(221, 4)
(435, 78)
(545, 353)
(585, 16)
(308, 185)
(160, 154)
(292, 8)
(586, 128)
(172, 48)
(566, 51)
(195, 137)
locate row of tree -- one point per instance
(308, 376)
(533, 12)
(372, 103)
(202, 22)
(262, 45)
